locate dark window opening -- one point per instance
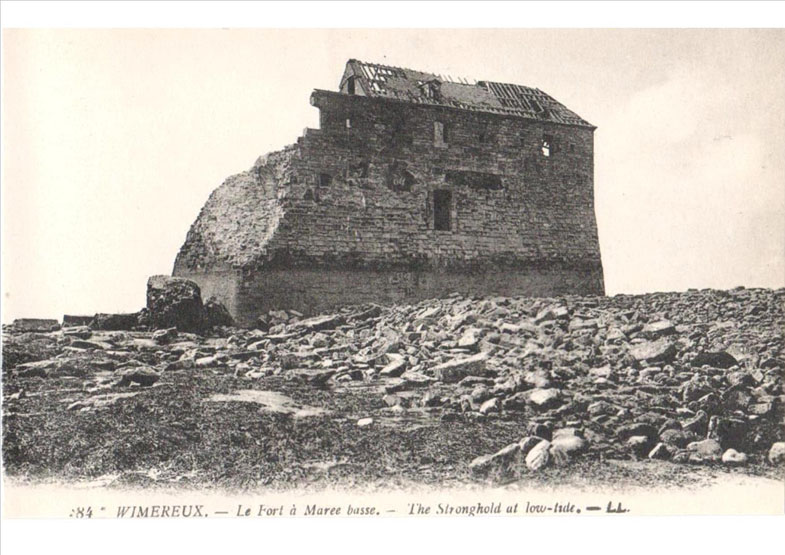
(325, 179)
(572, 147)
(401, 136)
(442, 199)
(439, 134)
(475, 180)
(350, 84)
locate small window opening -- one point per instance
(325, 179)
(400, 133)
(429, 89)
(439, 134)
(350, 85)
(547, 145)
(348, 123)
(572, 147)
(442, 199)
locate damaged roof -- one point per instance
(381, 81)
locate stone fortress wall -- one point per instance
(391, 201)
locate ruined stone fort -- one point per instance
(414, 186)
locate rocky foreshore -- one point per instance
(692, 378)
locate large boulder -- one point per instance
(175, 302)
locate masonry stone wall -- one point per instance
(348, 213)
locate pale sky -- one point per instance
(113, 140)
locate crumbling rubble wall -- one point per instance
(347, 215)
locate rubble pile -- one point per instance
(693, 377)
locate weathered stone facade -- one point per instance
(395, 200)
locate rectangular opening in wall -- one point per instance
(442, 201)
(475, 180)
(439, 134)
(350, 84)
(400, 132)
(547, 145)
(325, 179)
(348, 123)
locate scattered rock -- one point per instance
(35, 324)
(609, 366)
(540, 430)
(641, 446)
(660, 452)
(732, 457)
(706, 450)
(395, 367)
(322, 323)
(697, 424)
(490, 406)
(432, 399)
(79, 332)
(216, 314)
(777, 453)
(716, 359)
(729, 431)
(551, 313)
(51, 368)
(471, 339)
(501, 461)
(539, 457)
(70, 320)
(115, 322)
(392, 400)
(662, 351)
(677, 438)
(457, 369)
(165, 336)
(565, 447)
(658, 329)
(142, 375)
(544, 399)
(627, 431)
